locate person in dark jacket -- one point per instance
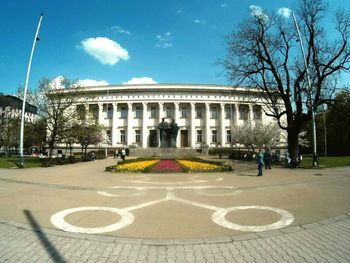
(267, 159)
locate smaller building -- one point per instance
(11, 108)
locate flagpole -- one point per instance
(21, 159)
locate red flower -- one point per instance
(167, 166)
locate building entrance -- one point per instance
(184, 138)
(153, 138)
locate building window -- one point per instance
(213, 112)
(183, 112)
(122, 136)
(138, 136)
(228, 112)
(228, 136)
(138, 112)
(199, 112)
(214, 136)
(257, 113)
(168, 112)
(109, 136)
(153, 112)
(123, 112)
(199, 135)
(109, 111)
(243, 112)
(81, 112)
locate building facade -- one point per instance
(11, 108)
(205, 114)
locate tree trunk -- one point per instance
(293, 146)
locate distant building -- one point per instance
(205, 114)
(11, 108)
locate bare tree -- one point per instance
(263, 54)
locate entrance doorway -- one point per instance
(184, 138)
(153, 138)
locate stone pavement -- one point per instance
(325, 241)
(318, 200)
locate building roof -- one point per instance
(16, 103)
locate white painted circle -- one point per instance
(138, 193)
(219, 218)
(58, 220)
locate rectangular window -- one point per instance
(153, 112)
(138, 112)
(228, 112)
(109, 136)
(138, 136)
(81, 112)
(168, 112)
(183, 112)
(199, 112)
(122, 136)
(257, 113)
(199, 135)
(123, 112)
(214, 136)
(109, 111)
(228, 136)
(213, 112)
(243, 112)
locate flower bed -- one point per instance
(199, 166)
(165, 166)
(135, 166)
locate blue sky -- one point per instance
(114, 41)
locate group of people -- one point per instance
(122, 154)
(266, 158)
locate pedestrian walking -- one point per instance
(267, 159)
(123, 153)
(260, 161)
(286, 159)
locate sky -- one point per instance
(105, 42)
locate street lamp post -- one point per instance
(21, 159)
(315, 161)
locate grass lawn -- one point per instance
(327, 161)
(13, 162)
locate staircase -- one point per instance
(165, 153)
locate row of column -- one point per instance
(129, 136)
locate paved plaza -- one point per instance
(79, 213)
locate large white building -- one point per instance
(205, 114)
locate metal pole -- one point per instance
(325, 132)
(21, 159)
(315, 161)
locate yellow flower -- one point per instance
(136, 166)
(199, 166)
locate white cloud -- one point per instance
(119, 29)
(57, 83)
(223, 5)
(258, 12)
(105, 50)
(164, 41)
(142, 80)
(198, 21)
(284, 11)
(91, 82)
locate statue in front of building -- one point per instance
(174, 128)
(168, 133)
(163, 128)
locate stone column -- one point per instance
(161, 111)
(129, 138)
(144, 125)
(250, 116)
(176, 118)
(100, 112)
(207, 123)
(86, 111)
(192, 125)
(114, 124)
(236, 113)
(222, 124)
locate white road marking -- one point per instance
(58, 220)
(219, 218)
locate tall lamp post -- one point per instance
(315, 160)
(21, 159)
